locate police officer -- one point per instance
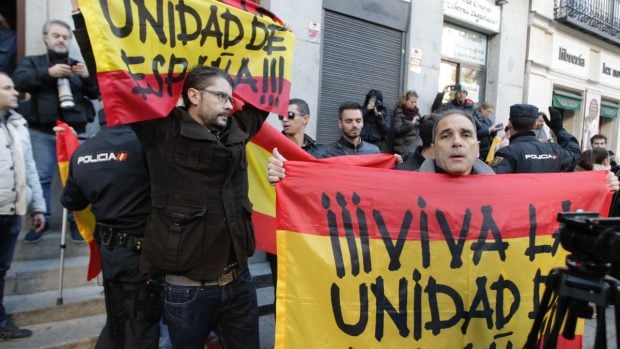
(109, 172)
(527, 154)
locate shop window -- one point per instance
(570, 106)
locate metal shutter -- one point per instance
(357, 56)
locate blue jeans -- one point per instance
(44, 153)
(9, 229)
(231, 311)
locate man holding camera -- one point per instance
(459, 102)
(60, 89)
(526, 154)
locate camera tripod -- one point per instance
(568, 295)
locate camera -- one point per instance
(379, 106)
(65, 96)
(593, 240)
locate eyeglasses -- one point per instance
(290, 115)
(221, 96)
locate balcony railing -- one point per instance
(598, 17)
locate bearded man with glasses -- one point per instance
(199, 233)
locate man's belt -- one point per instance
(111, 237)
(231, 273)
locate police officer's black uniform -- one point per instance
(109, 172)
(526, 154)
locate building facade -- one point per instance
(573, 63)
(501, 52)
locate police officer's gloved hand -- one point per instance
(555, 120)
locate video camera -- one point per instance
(379, 106)
(593, 240)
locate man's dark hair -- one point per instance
(373, 93)
(592, 156)
(199, 77)
(598, 136)
(453, 112)
(302, 106)
(522, 123)
(348, 106)
(48, 24)
(426, 129)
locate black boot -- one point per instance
(8, 330)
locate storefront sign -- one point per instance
(463, 45)
(482, 14)
(570, 56)
(610, 69)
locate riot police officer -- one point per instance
(527, 154)
(109, 172)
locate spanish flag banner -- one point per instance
(263, 195)
(66, 143)
(144, 50)
(374, 258)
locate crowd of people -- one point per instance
(175, 243)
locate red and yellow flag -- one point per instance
(66, 143)
(262, 194)
(373, 258)
(144, 49)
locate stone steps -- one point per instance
(47, 247)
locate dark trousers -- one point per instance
(191, 312)
(9, 229)
(133, 319)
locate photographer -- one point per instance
(375, 130)
(460, 100)
(60, 88)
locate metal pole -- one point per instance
(63, 236)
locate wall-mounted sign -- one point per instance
(610, 69)
(415, 60)
(314, 31)
(570, 56)
(480, 14)
(463, 45)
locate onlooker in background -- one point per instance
(600, 141)
(484, 128)
(294, 124)
(539, 128)
(8, 47)
(406, 122)
(424, 151)
(459, 102)
(375, 130)
(350, 122)
(525, 154)
(60, 88)
(19, 190)
(593, 159)
(498, 143)
(467, 99)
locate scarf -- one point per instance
(410, 113)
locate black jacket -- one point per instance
(374, 130)
(201, 216)
(109, 171)
(32, 76)
(526, 154)
(344, 147)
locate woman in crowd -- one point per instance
(375, 129)
(405, 122)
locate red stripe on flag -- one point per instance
(264, 227)
(94, 264)
(128, 100)
(469, 204)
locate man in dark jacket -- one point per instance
(526, 154)
(199, 233)
(109, 171)
(294, 124)
(350, 122)
(459, 102)
(44, 77)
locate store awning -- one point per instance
(609, 110)
(566, 101)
